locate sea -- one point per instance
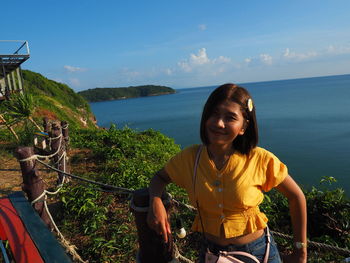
(304, 122)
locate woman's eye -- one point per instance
(231, 118)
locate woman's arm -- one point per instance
(157, 217)
(297, 207)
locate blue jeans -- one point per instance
(257, 248)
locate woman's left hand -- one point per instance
(298, 256)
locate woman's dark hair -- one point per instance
(231, 92)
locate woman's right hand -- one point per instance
(157, 218)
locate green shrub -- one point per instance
(127, 158)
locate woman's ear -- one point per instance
(245, 126)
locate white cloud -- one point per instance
(338, 50)
(201, 61)
(74, 69)
(262, 59)
(287, 53)
(266, 59)
(201, 58)
(248, 60)
(221, 59)
(168, 71)
(331, 49)
(299, 56)
(184, 66)
(202, 27)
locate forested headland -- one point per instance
(104, 94)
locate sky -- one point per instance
(184, 43)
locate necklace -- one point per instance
(219, 161)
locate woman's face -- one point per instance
(225, 124)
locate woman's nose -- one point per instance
(220, 122)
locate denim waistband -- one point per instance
(215, 248)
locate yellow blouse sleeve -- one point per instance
(275, 171)
(179, 167)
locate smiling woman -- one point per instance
(226, 179)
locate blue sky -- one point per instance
(183, 43)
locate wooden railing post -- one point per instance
(65, 132)
(151, 245)
(33, 184)
(57, 146)
(47, 129)
(46, 124)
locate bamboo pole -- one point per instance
(9, 127)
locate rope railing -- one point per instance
(45, 157)
(120, 190)
(70, 248)
(102, 185)
(61, 159)
(315, 244)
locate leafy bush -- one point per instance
(129, 159)
(124, 158)
(328, 220)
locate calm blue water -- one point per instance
(305, 122)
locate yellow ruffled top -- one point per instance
(230, 196)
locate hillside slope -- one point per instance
(57, 101)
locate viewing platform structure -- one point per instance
(11, 80)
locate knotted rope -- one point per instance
(45, 157)
(315, 244)
(121, 190)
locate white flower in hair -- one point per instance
(250, 104)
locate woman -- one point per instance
(227, 183)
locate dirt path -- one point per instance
(10, 175)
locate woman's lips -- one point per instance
(217, 132)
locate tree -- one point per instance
(21, 106)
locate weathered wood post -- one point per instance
(65, 134)
(57, 146)
(151, 245)
(46, 124)
(33, 184)
(47, 129)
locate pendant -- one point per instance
(217, 183)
